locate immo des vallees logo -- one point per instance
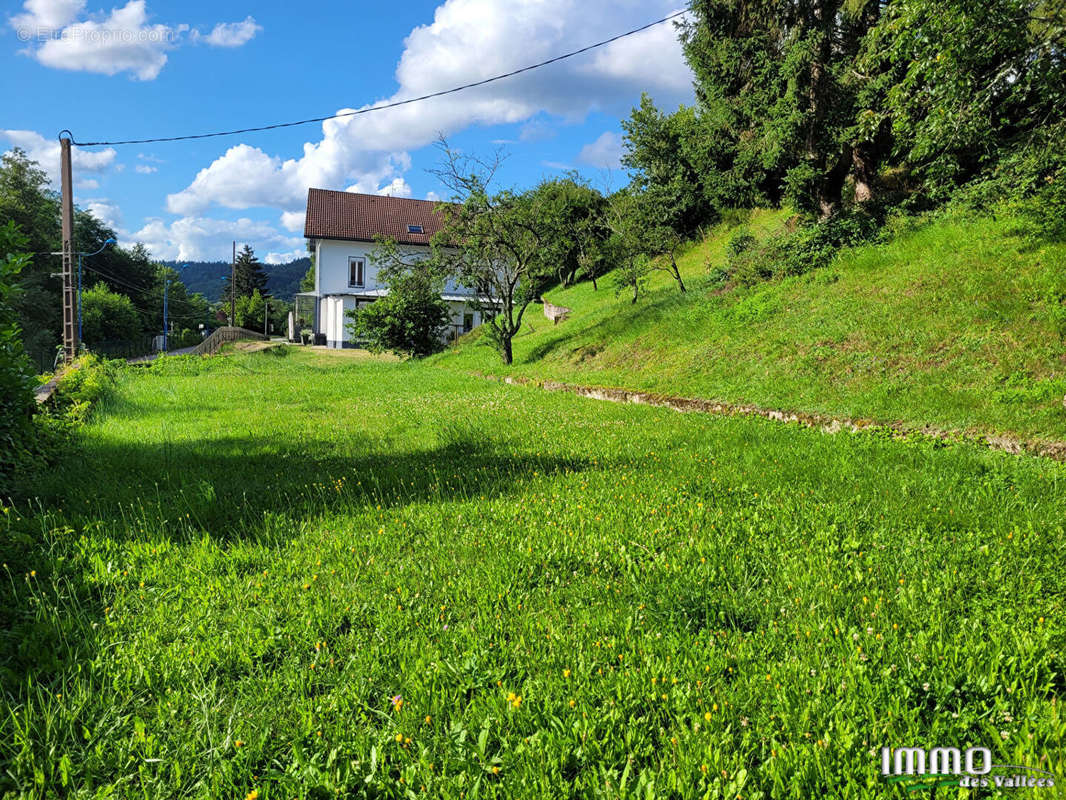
(916, 768)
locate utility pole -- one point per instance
(266, 314)
(233, 288)
(70, 334)
(166, 286)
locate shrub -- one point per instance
(16, 375)
(796, 252)
(740, 242)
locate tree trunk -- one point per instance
(832, 184)
(505, 348)
(677, 272)
(864, 168)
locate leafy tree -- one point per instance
(411, 319)
(16, 376)
(108, 317)
(624, 245)
(248, 277)
(778, 95)
(27, 201)
(498, 240)
(573, 211)
(660, 149)
(307, 283)
(953, 111)
(642, 241)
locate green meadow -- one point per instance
(957, 322)
(287, 575)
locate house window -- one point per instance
(415, 229)
(468, 323)
(356, 266)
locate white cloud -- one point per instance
(47, 14)
(468, 40)
(293, 220)
(208, 239)
(105, 211)
(46, 153)
(144, 169)
(283, 258)
(88, 183)
(605, 152)
(433, 196)
(121, 41)
(233, 34)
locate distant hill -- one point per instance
(205, 277)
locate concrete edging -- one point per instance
(827, 424)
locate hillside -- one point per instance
(206, 277)
(955, 323)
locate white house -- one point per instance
(341, 228)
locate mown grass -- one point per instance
(301, 576)
(957, 323)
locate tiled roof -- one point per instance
(362, 217)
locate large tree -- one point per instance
(498, 240)
(248, 276)
(777, 85)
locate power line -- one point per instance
(394, 104)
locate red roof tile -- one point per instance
(361, 217)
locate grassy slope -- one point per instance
(945, 325)
(246, 557)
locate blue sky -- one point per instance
(148, 68)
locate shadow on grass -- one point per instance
(230, 489)
(228, 486)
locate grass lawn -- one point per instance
(956, 324)
(282, 574)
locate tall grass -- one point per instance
(277, 577)
(957, 322)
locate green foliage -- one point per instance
(16, 374)
(247, 277)
(537, 593)
(797, 252)
(411, 320)
(108, 317)
(917, 325)
(495, 243)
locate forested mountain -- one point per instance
(208, 277)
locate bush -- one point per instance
(808, 247)
(16, 374)
(410, 320)
(740, 242)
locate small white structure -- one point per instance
(341, 228)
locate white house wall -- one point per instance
(335, 296)
(331, 261)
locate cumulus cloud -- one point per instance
(105, 211)
(605, 152)
(233, 34)
(468, 40)
(245, 176)
(293, 220)
(46, 153)
(209, 239)
(144, 169)
(121, 41)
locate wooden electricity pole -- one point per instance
(70, 330)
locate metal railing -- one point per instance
(221, 336)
